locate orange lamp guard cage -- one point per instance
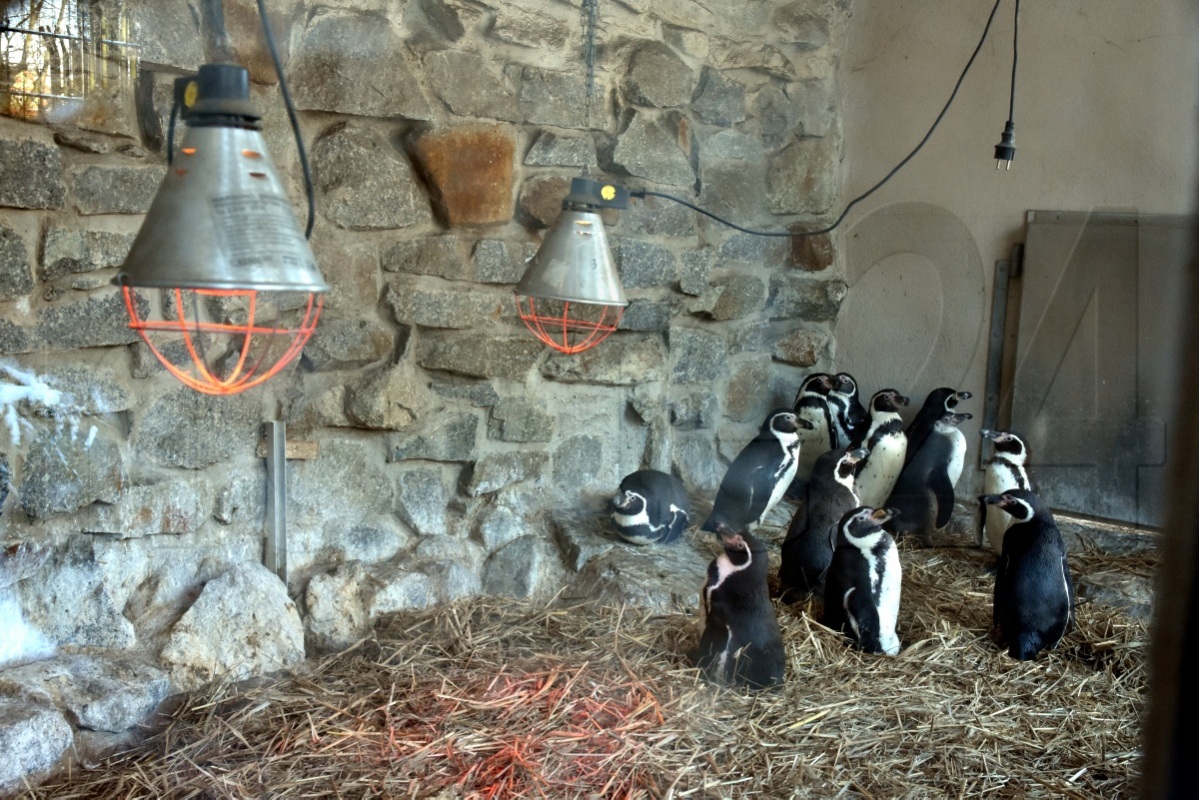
(568, 327)
(244, 374)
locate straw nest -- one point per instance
(492, 698)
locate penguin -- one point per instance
(938, 403)
(651, 507)
(1006, 470)
(861, 587)
(760, 474)
(850, 417)
(1034, 595)
(923, 495)
(811, 404)
(812, 535)
(886, 446)
(741, 643)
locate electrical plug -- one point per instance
(1005, 151)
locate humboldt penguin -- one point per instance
(850, 417)
(651, 507)
(812, 535)
(741, 643)
(862, 585)
(811, 404)
(1034, 595)
(924, 493)
(938, 403)
(886, 446)
(1006, 470)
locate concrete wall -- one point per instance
(1105, 109)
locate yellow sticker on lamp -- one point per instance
(608, 192)
(190, 94)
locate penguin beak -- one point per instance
(857, 455)
(881, 515)
(964, 396)
(803, 423)
(987, 433)
(991, 499)
(900, 400)
(731, 539)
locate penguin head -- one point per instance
(865, 521)
(785, 421)
(952, 401)
(887, 400)
(817, 383)
(628, 502)
(844, 383)
(848, 462)
(1011, 445)
(739, 546)
(1020, 503)
(946, 398)
(948, 422)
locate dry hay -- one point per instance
(492, 698)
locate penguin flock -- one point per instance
(862, 479)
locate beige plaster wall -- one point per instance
(1106, 101)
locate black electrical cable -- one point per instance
(291, 115)
(1011, 108)
(171, 131)
(1005, 151)
(872, 189)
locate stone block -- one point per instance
(746, 400)
(695, 267)
(770, 251)
(777, 115)
(541, 199)
(655, 216)
(647, 315)
(443, 20)
(658, 578)
(16, 278)
(733, 145)
(657, 149)
(552, 98)
(740, 296)
(249, 45)
(352, 62)
(582, 536)
(484, 96)
(383, 399)
(30, 175)
(694, 410)
(243, 500)
(498, 524)
(719, 100)
(813, 253)
(730, 54)
(399, 588)
(577, 461)
(498, 261)
(335, 612)
(557, 150)
(733, 190)
(421, 499)
(506, 357)
(696, 463)
(477, 393)
(104, 189)
(364, 182)
(63, 473)
(805, 178)
(376, 538)
(330, 508)
(99, 693)
(499, 470)
(441, 437)
(622, 360)
(526, 28)
(803, 298)
(33, 738)
(442, 308)
(658, 78)
(168, 32)
(800, 28)
(519, 569)
(803, 347)
(347, 344)
(176, 507)
(15, 339)
(644, 265)
(100, 320)
(439, 256)
(66, 251)
(470, 171)
(88, 391)
(243, 624)
(217, 428)
(697, 355)
(515, 419)
(451, 580)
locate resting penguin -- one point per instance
(652, 507)
(741, 643)
(885, 444)
(812, 535)
(924, 492)
(1034, 596)
(760, 474)
(850, 418)
(1005, 471)
(811, 404)
(938, 403)
(861, 588)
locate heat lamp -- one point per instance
(220, 282)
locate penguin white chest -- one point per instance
(882, 470)
(957, 456)
(1002, 476)
(888, 601)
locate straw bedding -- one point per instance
(492, 698)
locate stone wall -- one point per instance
(443, 135)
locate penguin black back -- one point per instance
(938, 403)
(1034, 593)
(651, 507)
(853, 418)
(924, 493)
(741, 643)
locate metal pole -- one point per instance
(275, 552)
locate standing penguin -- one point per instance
(886, 446)
(938, 403)
(760, 474)
(812, 535)
(1034, 595)
(741, 643)
(811, 404)
(923, 495)
(850, 418)
(652, 507)
(861, 588)
(1006, 470)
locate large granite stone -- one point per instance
(521, 26)
(521, 569)
(168, 32)
(719, 100)
(738, 296)
(30, 175)
(515, 419)
(32, 738)
(383, 399)
(470, 170)
(644, 265)
(16, 279)
(802, 298)
(429, 307)
(733, 145)
(218, 427)
(398, 588)
(541, 197)
(63, 473)
(67, 251)
(439, 256)
(176, 507)
(554, 98)
(664, 578)
(242, 500)
(803, 29)
(622, 360)
(695, 269)
(655, 216)
(507, 357)
(803, 347)
(243, 624)
(696, 463)
(340, 343)
(442, 437)
(499, 470)
(99, 320)
(557, 150)
(577, 461)
(484, 96)
(746, 401)
(805, 178)
(698, 355)
(355, 63)
(421, 499)
(582, 535)
(498, 261)
(105, 189)
(777, 115)
(656, 148)
(15, 339)
(813, 253)
(335, 612)
(694, 410)
(658, 78)
(647, 315)
(365, 183)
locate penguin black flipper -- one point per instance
(862, 617)
(943, 489)
(1001, 600)
(981, 528)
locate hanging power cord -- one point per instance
(641, 193)
(1005, 151)
(291, 115)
